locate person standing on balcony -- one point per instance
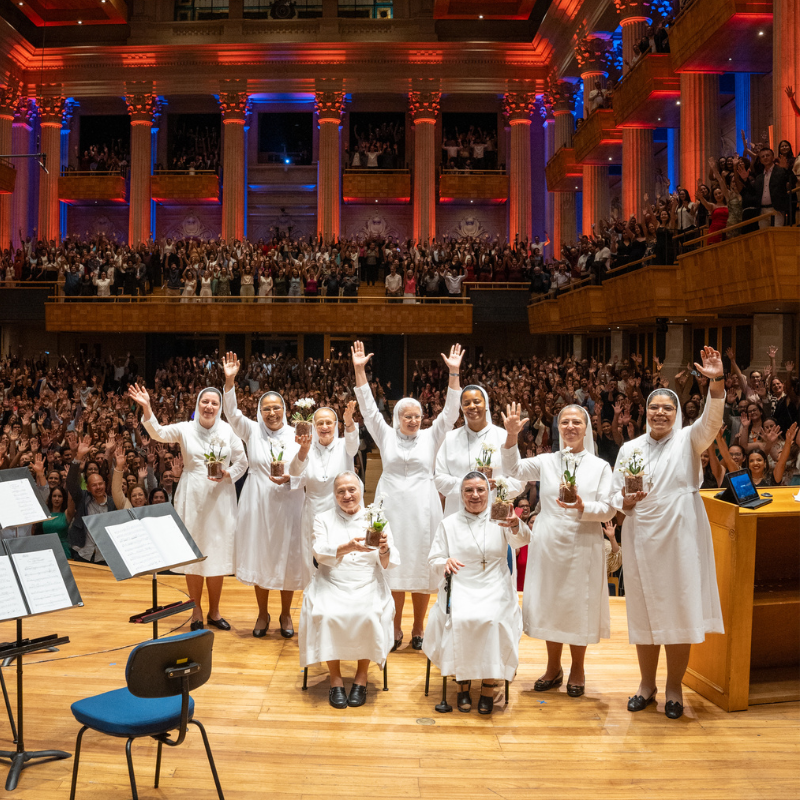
(771, 187)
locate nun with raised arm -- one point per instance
(478, 640)
(565, 597)
(321, 457)
(348, 612)
(474, 446)
(205, 503)
(671, 594)
(406, 486)
(268, 541)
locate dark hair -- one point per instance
(760, 452)
(63, 495)
(153, 493)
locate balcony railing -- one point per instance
(92, 187)
(466, 186)
(598, 141)
(563, 173)
(185, 186)
(373, 185)
(647, 97)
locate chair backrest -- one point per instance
(148, 661)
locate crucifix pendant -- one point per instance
(484, 563)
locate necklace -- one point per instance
(403, 453)
(327, 463)
(479, 435)
(474, 539)
(658, 460)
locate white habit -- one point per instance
(207, 508)
(670, 577)
(348, 611)
(565, 597)
(268, 542)
(479, 639)
(411, 501)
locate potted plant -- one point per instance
(568, 489)
(303, 417)
(277, 466)
(215, 458)
(484, 460)
(377, 522)
(502, 505)
(633, 470)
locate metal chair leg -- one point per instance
(158, 763)
(77, 761)
(210, 758)
(428, 678)
(130, 768)
(385, 678)
(444, 706)
(305, 679)
(506, 692)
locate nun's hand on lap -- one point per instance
(225, 474)
(630, 500)
(577, 505)
(452, 566)
(356, 545)
(280, 481)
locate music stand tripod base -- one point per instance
(21, 760)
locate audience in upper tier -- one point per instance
(379, 147)
(474, 148)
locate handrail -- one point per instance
(373, 170)
(251, 299)
(487, 285)
(93, 173)
(186, 171)
(738, 225)
(28, 284)
(641, 261)
(463, 172)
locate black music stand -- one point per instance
(101, 527)
(38, 588)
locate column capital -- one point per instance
(634, 11)
(545, 104)
(424, 106)
(563, 94)
(518, 107)
(329, 106)
(10, 95)
(51, 102)
(142, 102)
(70, 107)
(234, 101)
(25, 112)
(595, 54)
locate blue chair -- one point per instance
(160, 674)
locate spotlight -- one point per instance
(80, 22)
(480, 16)
(287, 161)
(677, 102)
(761, 33)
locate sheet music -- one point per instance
(11, 603)
(42, 581)
(135, 546)
(19, 504)
(169, 539)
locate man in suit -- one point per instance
(771, 189)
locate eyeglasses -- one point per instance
(412, 417)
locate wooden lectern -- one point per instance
(757, 555)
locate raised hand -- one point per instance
(231, 366)
(142, 472)
(610, 529)
(119, 458)
(177, 466)
(140, 396)
(729, 353)
(84, 447)
(712, 363)
(772, 351)
(38, 465)
(454, 361)
(512, 419)
(348, 414)
(360, 360)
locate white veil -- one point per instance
(674, 397)
(588, 438)
(315, 435)
(266, 433)
(462, 509)
(473, 388)
(398, 408)
(362, 510)
(196, 419)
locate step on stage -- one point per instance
(271, 740)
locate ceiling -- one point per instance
(53, 13)
(477, 9)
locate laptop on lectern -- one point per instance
(741, 490)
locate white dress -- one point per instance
(457, 457)
(411, 501)
(268, 542)
(207, 508)
(565, 598)
(670, 577)
(479, 639)
(319, 470)
(348, 612)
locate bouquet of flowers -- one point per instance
(277, 467)
(377, 522)
(633, 470)
(215, 457)
(484, 460)
(502, 505)
(303, 417)
(568, 490)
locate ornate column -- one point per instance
(21, 218)
(10, 95)
(51, 109)
(785, 69)
(234, 104)
(565, 218)
(329, 106)
(424, 108)
(143, 108)
(517, 109)
(546, 110)
(595, 56)
(634, 17)
(700, 129)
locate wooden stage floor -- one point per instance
(273, 741)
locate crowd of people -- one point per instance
(378, 147)
(102, 158)
(473, 149)
(194, 147)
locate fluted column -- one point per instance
(517, 108)
(785, 70)
(546, 110)
(595, 55)
(565, 219)
(51, 109)
(10, 95)
(143, 107)
(424, 108)
(22, 222)
(233, 102)
(634, 17)
(329, 106)
(700, 129)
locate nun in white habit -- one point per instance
(347, 608)
(671, 592)
(565, 597)
(207, 506)
(479, 638)
(477, 439)
(268, 540)
(321, 457)
(410, 499)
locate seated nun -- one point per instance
(478, 639)
(348, 613)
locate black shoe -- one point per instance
(416, 642)
(464, 702)
(197, 625)
(260, 633)
(639, 703)
(486, 703)
(337, 698)
(542, 685)
(358, 696)
(287, 633)
(220, 623)
(397, 643)
(573, 690)
(673, 709)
